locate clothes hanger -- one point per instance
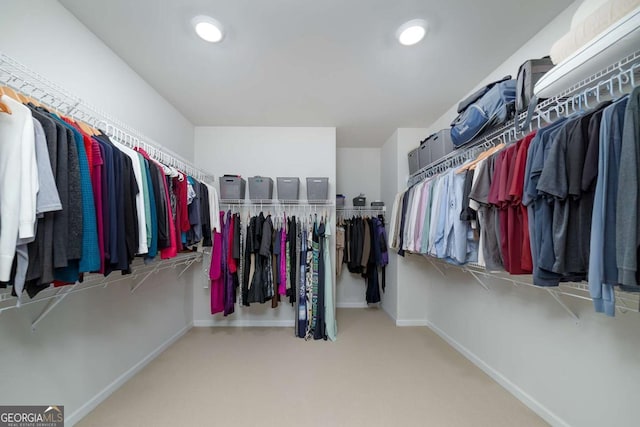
(22, 98)
(4, 107)
(11, 93)
(472, 165)
(85, 127)
(84, 124)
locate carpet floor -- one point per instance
(375, 374)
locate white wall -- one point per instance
(358, 171)
(48, 39)
(271, 152)
(405, 291)
(537, 47)
(92, 342)
(411, 289)
(388, 189)
(584, 374)
(93, 339)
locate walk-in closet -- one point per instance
(340, 213)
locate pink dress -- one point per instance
(215, 274)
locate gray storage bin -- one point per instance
(424, 155)
(414, 162)
(441, 144)
(317, 188)
(288, 188)
(377, 204)
(260, 188)
(360, 201)
(435, 147)
(340, 200)
(232, 187)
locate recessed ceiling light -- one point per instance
(412, 32)
(207, 28)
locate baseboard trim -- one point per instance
(243, 323)
(358, 304)
(512, 388)
(411, 322)
(96, 400)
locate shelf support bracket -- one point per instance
(478, 279)
(436, 267)
(622, 306)
(59, 296)
(189, 264)
(556, 297)
(141, 281)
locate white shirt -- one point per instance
(214, 209)
(137, 173)
(18, 181)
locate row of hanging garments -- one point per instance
(74, 201)
(361, 245)
(273, 259)
(560, 204)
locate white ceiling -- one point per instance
(315, 63)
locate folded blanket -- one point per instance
(597, 22)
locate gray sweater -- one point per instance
(628, 200)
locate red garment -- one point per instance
(514, 228)
(176, 191)
(503, 207)
(181, 204)
(96, 182)
(516, 190)
(231, 262)
(172, 250)
(215, 274)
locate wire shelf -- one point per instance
(21, 78)
(624, 302)
(620, 77)
(140, 272)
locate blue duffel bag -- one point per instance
(495, 107)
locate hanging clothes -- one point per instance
(553, 204)
(88, 204)
(329, 304)
(366, 252)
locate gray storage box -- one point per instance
(377, 204)
(317, 189)
(260, 188)
(437, 145)
(232, 187)
(340, 200)
(288, 189)
(424, 155)
(360, 201)
(414, 160)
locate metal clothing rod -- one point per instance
(619, 78)
(356, 211)
(22, 79)
(273, 203)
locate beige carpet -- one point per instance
(374, 375)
